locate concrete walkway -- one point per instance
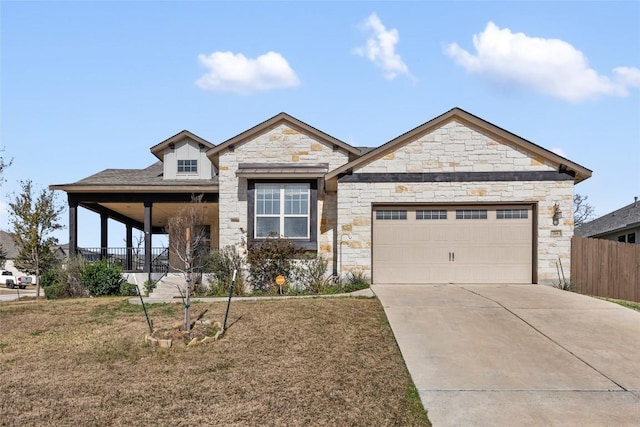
(517, 355)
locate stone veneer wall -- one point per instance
(455, 147)
(355, 202)
(281, 144)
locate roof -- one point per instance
(213, 153)
(127, 178)
(8, 244)
(621, 219)
(158, 149)
(458, 114)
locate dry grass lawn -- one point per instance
(297, 362)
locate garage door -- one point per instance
(452, 244)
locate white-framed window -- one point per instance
(187, 166)
(282, 210)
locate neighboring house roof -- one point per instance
(158, 149)
(123, 179)
(275, 120)
(8, 244)
(621, 219)
(468, 119)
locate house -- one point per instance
(457, 199)
(622, 225)
(11, 253)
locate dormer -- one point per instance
(184, 157)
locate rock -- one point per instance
(193, 342)
(218, 334)
(176, 325)
(207, 339)
(151, 340)
(165, 343)
(218, 325)
(205, 322)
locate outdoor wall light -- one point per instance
(557, 214)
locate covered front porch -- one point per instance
(147, 212)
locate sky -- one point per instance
(91, 85)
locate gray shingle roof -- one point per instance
(626, 217)
(8, 244)
(151, 175)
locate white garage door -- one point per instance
(452, 244)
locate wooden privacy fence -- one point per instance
(605, 268)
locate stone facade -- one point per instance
(355, 202)
(456, 148)
(279, 144)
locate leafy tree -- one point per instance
(4, 164)
(3, 256)
(582, 211)
(33, 217)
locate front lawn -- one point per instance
(82, 362)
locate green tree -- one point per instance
(34, 216)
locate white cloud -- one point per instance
(381, 48)
(229, 72)
(549, 66)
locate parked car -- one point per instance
(10, 281)
(24, 281)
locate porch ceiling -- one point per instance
(161, 211)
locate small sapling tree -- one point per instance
(33, 216)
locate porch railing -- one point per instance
(131, 259)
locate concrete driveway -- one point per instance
(517, 355)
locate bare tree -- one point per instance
(582, 211)
(188, 245)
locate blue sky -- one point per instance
(87, 86)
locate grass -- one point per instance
(331, 362)
(629, 304)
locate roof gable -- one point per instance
(158, 149)
(280, 119)
(473, 122)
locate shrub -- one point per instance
(52, 276)
(56, 291)
(102, 278)
(221, 264)
(356, 280)
(310, 274)
(66, 280)
(269, 259)
(128, 289)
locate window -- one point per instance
(437, 214)
(621, 239)
(282, 210)
(471, 214)
(512, 214)
(631, 238)
(187, 166)
(391, 215)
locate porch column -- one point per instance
(148, 229)
(73, 228)
(129, 244)
(104, 241)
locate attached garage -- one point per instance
(453, 244)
